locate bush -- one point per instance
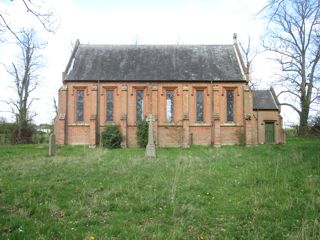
(25, 136)
(111, 136)
(292, 131)
(5, 132)
(315, 127)
(40, 137)
(142, 133)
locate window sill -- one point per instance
(78, 124)
(231, 124)
(108, 123)
(167, 124)
(200, 125)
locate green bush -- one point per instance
(111, 136)
(40, 137)
(142, 133)
(22, 134)
(315, 126)
(5, 132)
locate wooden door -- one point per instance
(269, 132)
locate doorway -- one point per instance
(269, 132)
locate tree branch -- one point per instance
(288, 91)
(292, 106)
(44, 19)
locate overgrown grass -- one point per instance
(261, 192)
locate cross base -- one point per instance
(150, 150)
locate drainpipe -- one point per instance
(67, 120)
(258, 126)
(98, 115)
(212, 120)
(244, 117)
(67, 107)
(127, 115)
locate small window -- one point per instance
(139, 105)
(109, 109)
(80, 101)
(170, 97)
(200, 106)
(229, 105)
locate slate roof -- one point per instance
(154, 63)
(264, 100)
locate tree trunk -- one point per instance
(304, 115)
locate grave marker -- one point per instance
(151, 148)
(52, 144)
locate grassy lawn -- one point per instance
(261, 192)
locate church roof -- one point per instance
(265, 100)
(154, 63)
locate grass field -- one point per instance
(261, 192)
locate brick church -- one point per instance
(197, 94)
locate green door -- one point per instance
(269, 132)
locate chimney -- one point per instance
(235, 37)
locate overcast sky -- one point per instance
(129, 22)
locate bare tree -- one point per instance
(24, 73)
(249, 54)
(55, 106)
(35, 8)
(294, 36)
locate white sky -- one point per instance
(127, 22)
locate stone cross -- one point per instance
(151, 148)
(52, 144)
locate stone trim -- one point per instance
(78, 124)
(231, 125)
(200, 125)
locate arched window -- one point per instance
(80, 103)
(200, 105)
(139, 105)
(230, 105)
(170, 105)
(109, 104)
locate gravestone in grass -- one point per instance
(151, 148)
(52, 144)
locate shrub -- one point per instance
(142, 133)
(111, 136)
(22, 134)
(292, 131)
(40, 137)
(315, 127)
(5, 132)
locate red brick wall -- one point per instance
(213, 130)
(261, 117)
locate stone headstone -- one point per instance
(52, 144)
(151, 148)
